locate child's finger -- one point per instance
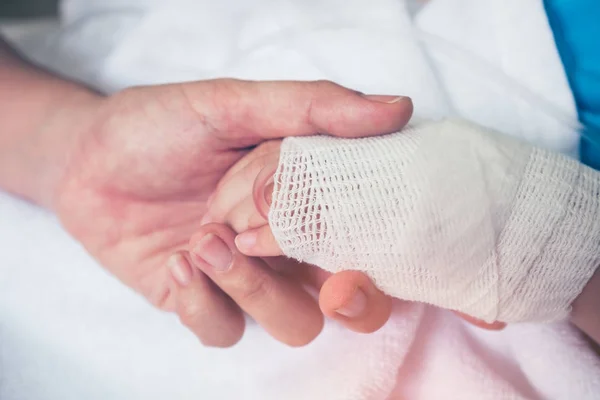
(352, 299)
(267, 148)
(258, 242)
(244, 216)
(228, 193)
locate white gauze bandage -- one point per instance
(445, 213)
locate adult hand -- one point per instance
(138, 176)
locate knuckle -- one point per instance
(155, 291)
(219, 209)
(190, 313)
(239, 223)
(325, 84)
(161, 299)
(255, 288)
(214, 210)
(225, 86)
(226, 99)
(254, 221)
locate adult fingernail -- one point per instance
(384, 98)
(180, 269)
(356, 306)
(246, 241)
(214, 252)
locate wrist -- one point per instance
(60, 139)
(38, 151)
(42, 116)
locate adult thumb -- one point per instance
(246, 112)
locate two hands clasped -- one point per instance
(282, 287)
(156, 164)
(167, 187)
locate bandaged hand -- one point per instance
(443, 213)
(348, 297)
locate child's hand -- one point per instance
(242, 201)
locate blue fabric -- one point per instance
(576, 28)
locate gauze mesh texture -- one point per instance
(446, 213)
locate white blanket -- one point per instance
(70, 331)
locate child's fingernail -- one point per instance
(180, 269)
(246, 241)
(268, 191)
(214, 252)
(384, 98)
(356, 306)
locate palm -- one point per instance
(137, 186)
